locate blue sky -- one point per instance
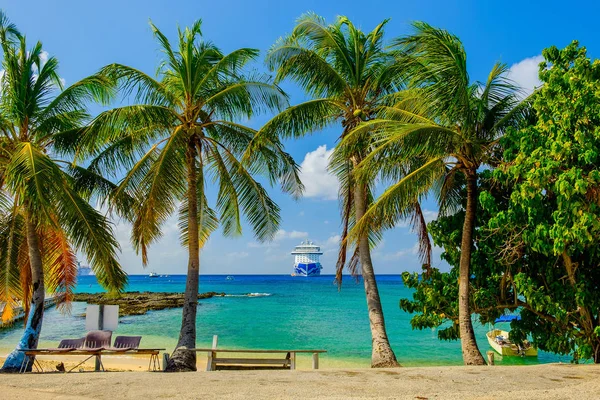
(85, 35)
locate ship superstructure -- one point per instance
(306, 262)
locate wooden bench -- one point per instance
(154, 364)
(287, 361)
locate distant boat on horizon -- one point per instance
(153, 274)
(306, 260)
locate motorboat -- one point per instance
(501, 343)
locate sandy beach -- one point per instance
(554, 381)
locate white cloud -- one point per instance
(429, 215)
(44, 56)
(282, 234)
(318, 182)
(236, 255)
(332, 241)
(525, 74)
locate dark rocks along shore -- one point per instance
(138, 303)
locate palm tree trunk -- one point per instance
(382, 354)
(31, 336)
(470, 351)
(183, 360)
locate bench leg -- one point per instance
(154, 364)
(210, 361)
(98, 364)
(293, 361)
(37, 365)
(24, 364)
(315, 361)
(79, 364)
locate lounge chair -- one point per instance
(93, 344)
(97, 340)
(131, 345)
(66, 345)
(125, 343)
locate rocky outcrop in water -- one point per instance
(138, 303)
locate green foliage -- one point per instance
(184, 134)
(534, 251)
(441, 127)
(39, 187)
(347, 73)
(432, 138)
(434, 303)
(554, 209)
(435, 300)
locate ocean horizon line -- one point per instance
(234, 274)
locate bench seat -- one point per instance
(238, 361)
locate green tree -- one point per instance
(45, 216)
(180, 137)
(434, 303)
(441, 128)
(347, 74)
(554, 209)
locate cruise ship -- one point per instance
(306, 261)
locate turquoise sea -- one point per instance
(276, 311)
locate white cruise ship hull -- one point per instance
(307, 269)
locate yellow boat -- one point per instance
(500, 341)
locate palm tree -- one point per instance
(45, 216)
(180, 138)
(443, 125)
(347, 74)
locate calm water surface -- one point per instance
(282, 312)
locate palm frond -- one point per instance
(307, 68)
(261, 212)
(11, 238)
(298, 120)
(144, 123)
(419, 225)
(61, 267)
(143, 88)
(208, 221)
(245, 99)
(397, 201)
(159, 190)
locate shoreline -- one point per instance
(551, 381)
(129, 362)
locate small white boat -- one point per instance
(500, 342)
(229, 278)
(153, 274)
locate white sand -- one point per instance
(550, 381)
